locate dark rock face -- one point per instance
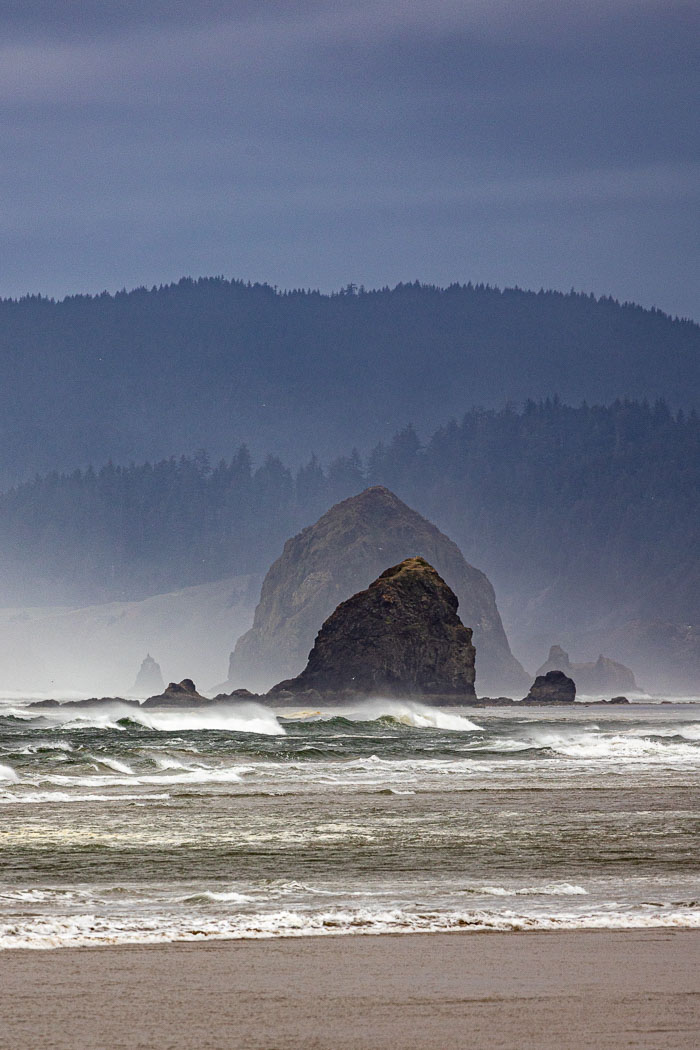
(604, 677)
(149, 680)
(554, 687)
(183, 693)
(401, 636)
(341, 554)
(237, 694)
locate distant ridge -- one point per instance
(212, 363)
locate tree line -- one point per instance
(214, 363)
(596, 504)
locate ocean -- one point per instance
(120, 825)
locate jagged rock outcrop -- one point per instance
(341, 554)
(182, 693)
(149, 680)
(236, 695)
(605, 677)
(399, 637)
(554, 687)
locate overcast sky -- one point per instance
(309, 143)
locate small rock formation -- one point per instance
(400, 637)
(182, 693)
(341, 554)
(236, 695)
(604, 677)
(554, 687)
(149, 680)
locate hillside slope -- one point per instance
(97, 649)
(214, 363)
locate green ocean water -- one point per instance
(120, 825)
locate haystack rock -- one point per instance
(341, 554)
(554, 687)
(149, 680)
(605, 677)
(400, 637)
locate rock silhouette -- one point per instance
(149, 680)
(554, 687)
(401, 636)
(341, 554)
(184, 693)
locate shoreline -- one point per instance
(333, 932)
(213, 942)
(263, 699)
(530, 990)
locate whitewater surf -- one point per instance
(129, 825)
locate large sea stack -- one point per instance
(341, 554)
(399, 637)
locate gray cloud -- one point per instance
(315, 143)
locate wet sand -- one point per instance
(512, 991)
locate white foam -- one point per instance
(106, 714)
(36, 896)
(43, 745)
(7, 773)
(226, 775)
(234, 718)
(221, 897)
(552, 889)
(591, 743)
(688, 732)
(170, 762)
(410, 713)
(83, 930)
(113, 763)
(196, 775)
(618, 746)
(103, 714)
(40, 797)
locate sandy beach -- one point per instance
(521, 991)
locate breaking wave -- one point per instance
(7, 773)
(552, 889)
(409, 713)
(191, 775)
(42, 797)
(389, 816)
(647, 744)
(113, 715)
(59, 931)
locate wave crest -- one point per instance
(62, 931)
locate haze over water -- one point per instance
(127, 826)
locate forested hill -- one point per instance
(582, 510)
(213, 363)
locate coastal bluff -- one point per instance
(328, 562)
(401, 636)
